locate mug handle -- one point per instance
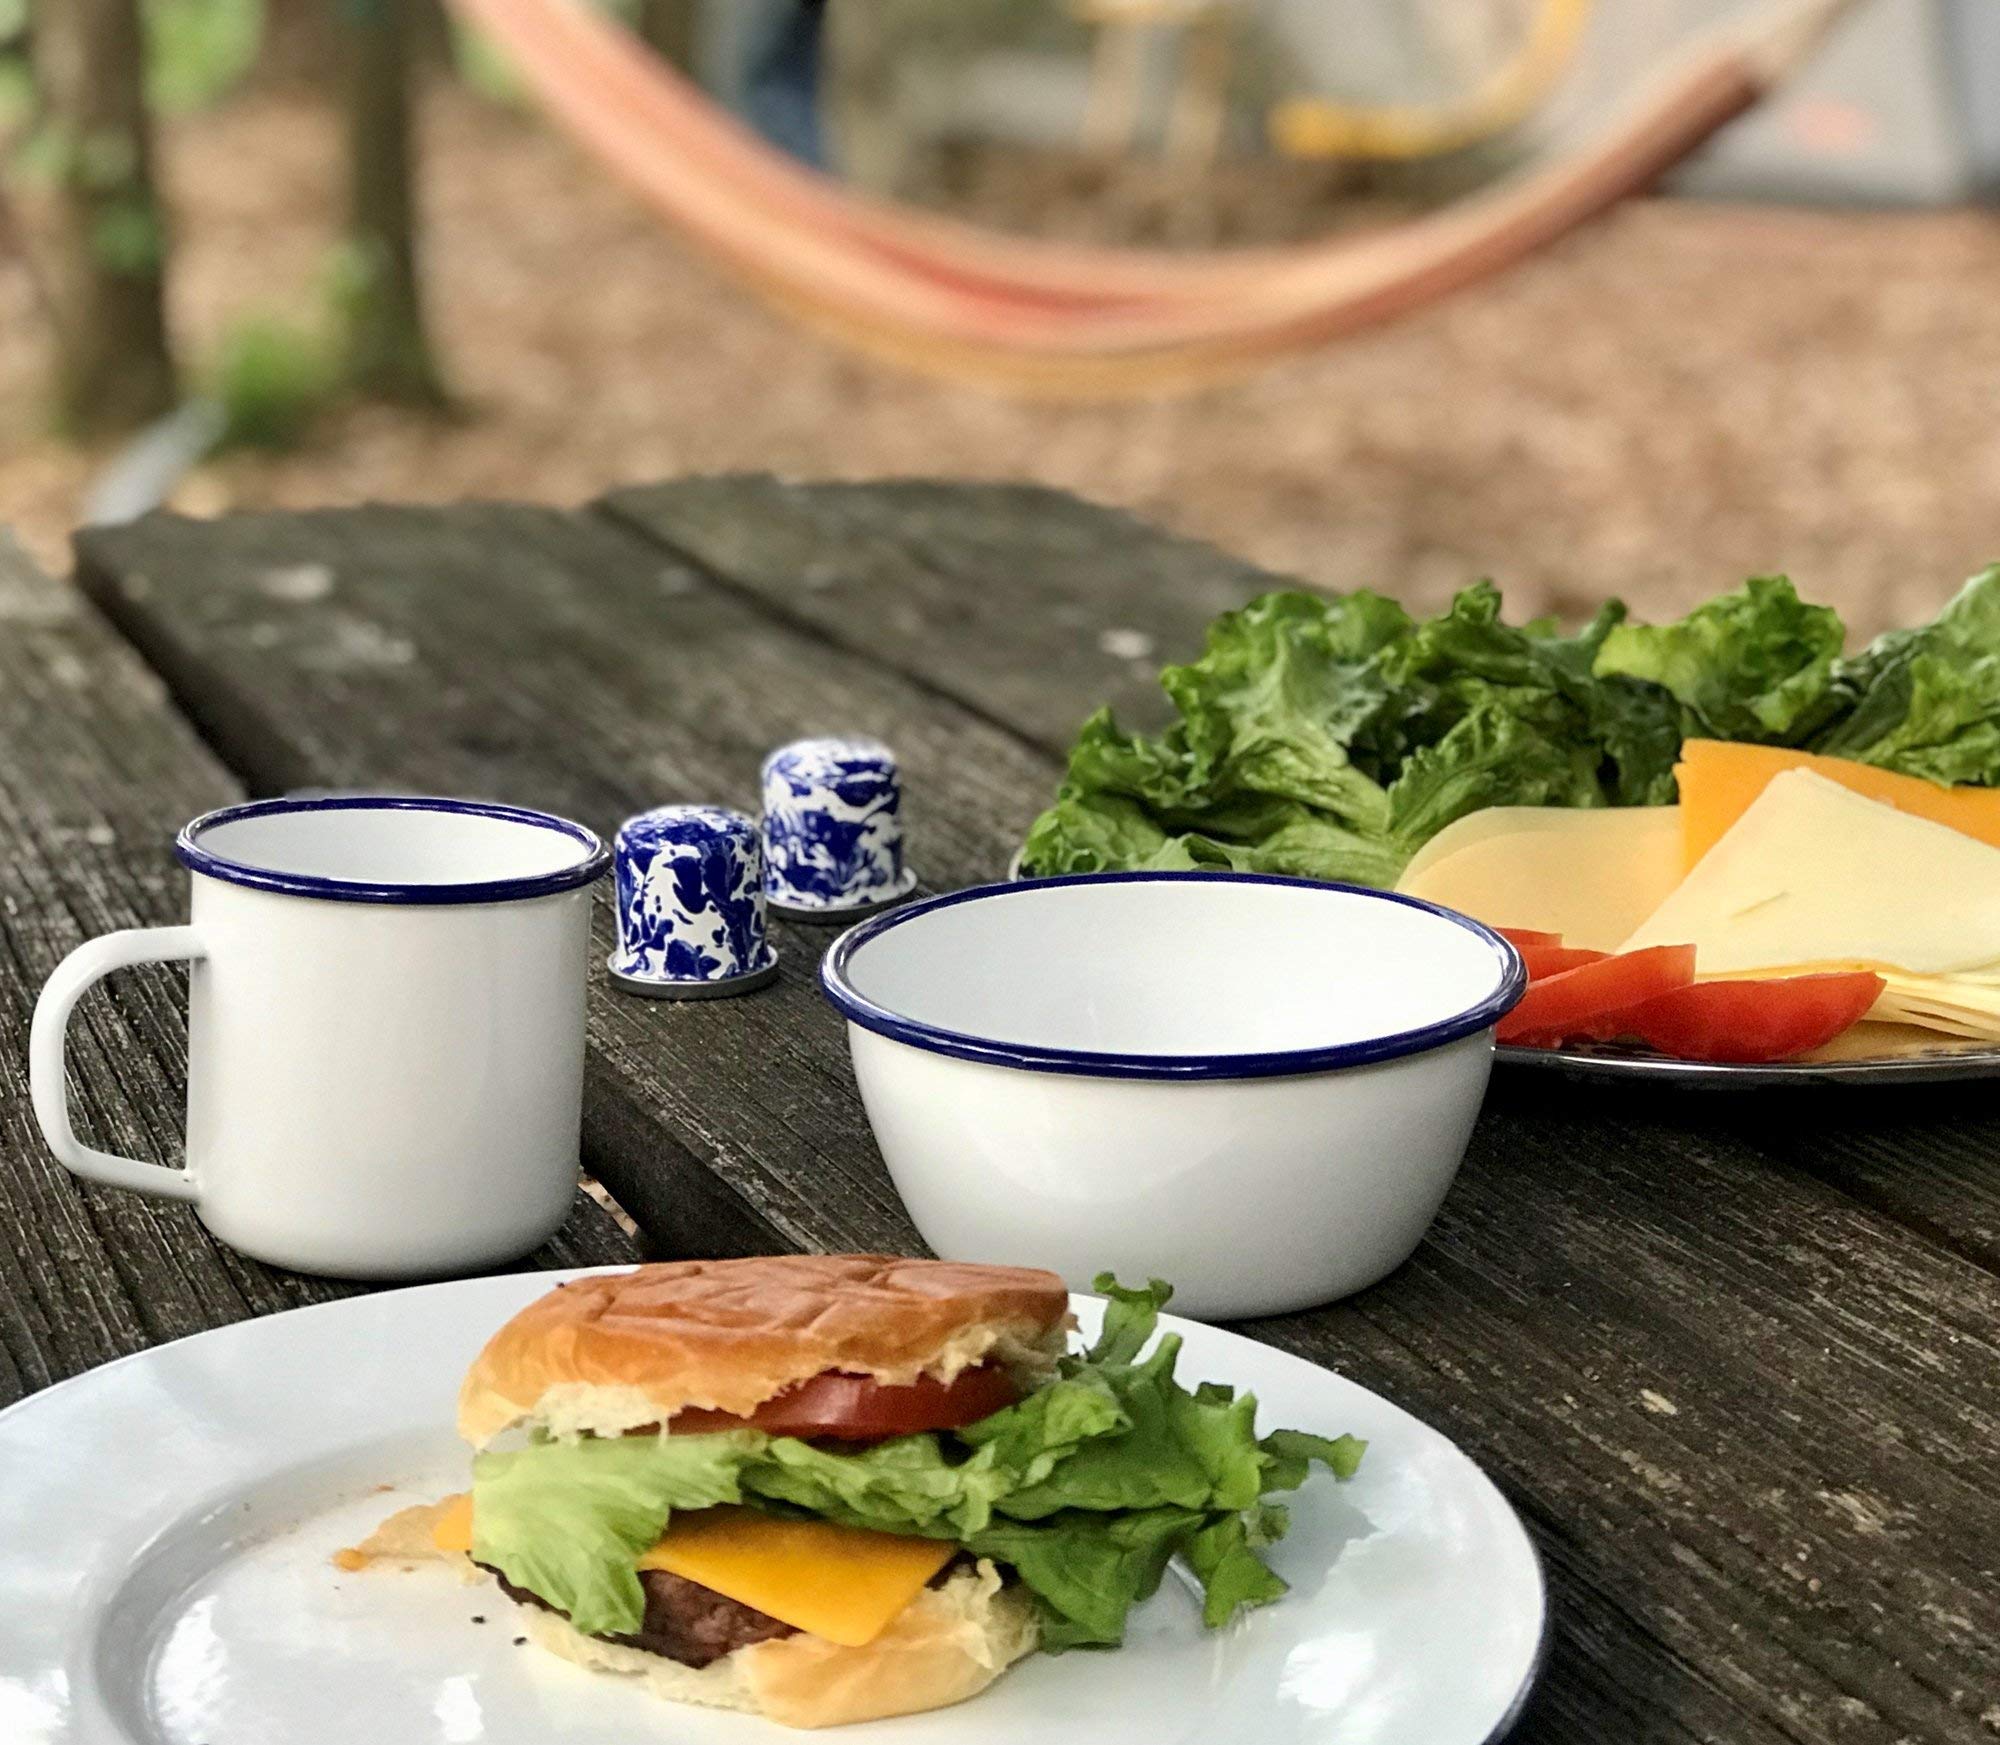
(48, 1075)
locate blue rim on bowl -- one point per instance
(192, 855)
(1086, 1063)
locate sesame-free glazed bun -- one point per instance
(601, 1356)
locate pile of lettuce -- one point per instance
(1331, 737)
(1087, 1488)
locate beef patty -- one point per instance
(684, 1621)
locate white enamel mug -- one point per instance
(385, 1031)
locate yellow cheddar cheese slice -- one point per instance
(1590, 874)
(452, 1530)
(841, 1583)
(1720, 781)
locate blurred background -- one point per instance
(303, 252)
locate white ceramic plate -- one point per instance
(166, 1524)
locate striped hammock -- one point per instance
(941, 295)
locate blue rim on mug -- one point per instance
(1088, 1063)
(192, 855)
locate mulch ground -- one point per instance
(1672, 399)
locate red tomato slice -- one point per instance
(856, 1408)
(1544, 953)
(1752, 1020)
(1574, 1002)
(1549, 960)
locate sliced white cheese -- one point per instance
(1813, 874)
(1940, 1003)
(1591, 875)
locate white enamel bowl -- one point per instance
(1258, 1088)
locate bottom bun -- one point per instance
(948, 1644)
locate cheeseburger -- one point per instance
(830, 1488)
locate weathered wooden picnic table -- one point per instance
(1736, 1358)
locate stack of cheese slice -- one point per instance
(1777, 863)
(1814, 876)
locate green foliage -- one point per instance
(384, 352)
(17, 82)
(127, 237)
(352, 272)
(272, 378)
(17, 93)
(42, 154)
(485, 69)
(197, 49)
(106, 161)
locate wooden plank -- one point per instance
(1749, 1416)
(1036, 627)
(1050, 606)
(99, 771)
(558, 661)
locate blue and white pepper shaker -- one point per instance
(833, 834)
(690, 894)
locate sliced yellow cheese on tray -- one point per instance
(1813, 874)
(1720, 781)
(1949, 1003)
(842, 1583)
(1875, 1039)
(1592, 875)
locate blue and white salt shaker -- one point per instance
(690, 894)
(833, 834)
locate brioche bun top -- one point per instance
(604, 1355)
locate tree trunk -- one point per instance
(388, 353)
(428, 33)
(114, 367)
(668, 28)
(301, 41)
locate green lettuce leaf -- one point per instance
(1927, 702)
(1330, 738)
(1493, 756)
(1290, 1455)
(570, 1519)
(1223, 1556)
(1130, 1319)
(1088, 1570)
(1256, 774)
(1756, 664)
(1092, 831)
(1087, 1488)
(1282, 688)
